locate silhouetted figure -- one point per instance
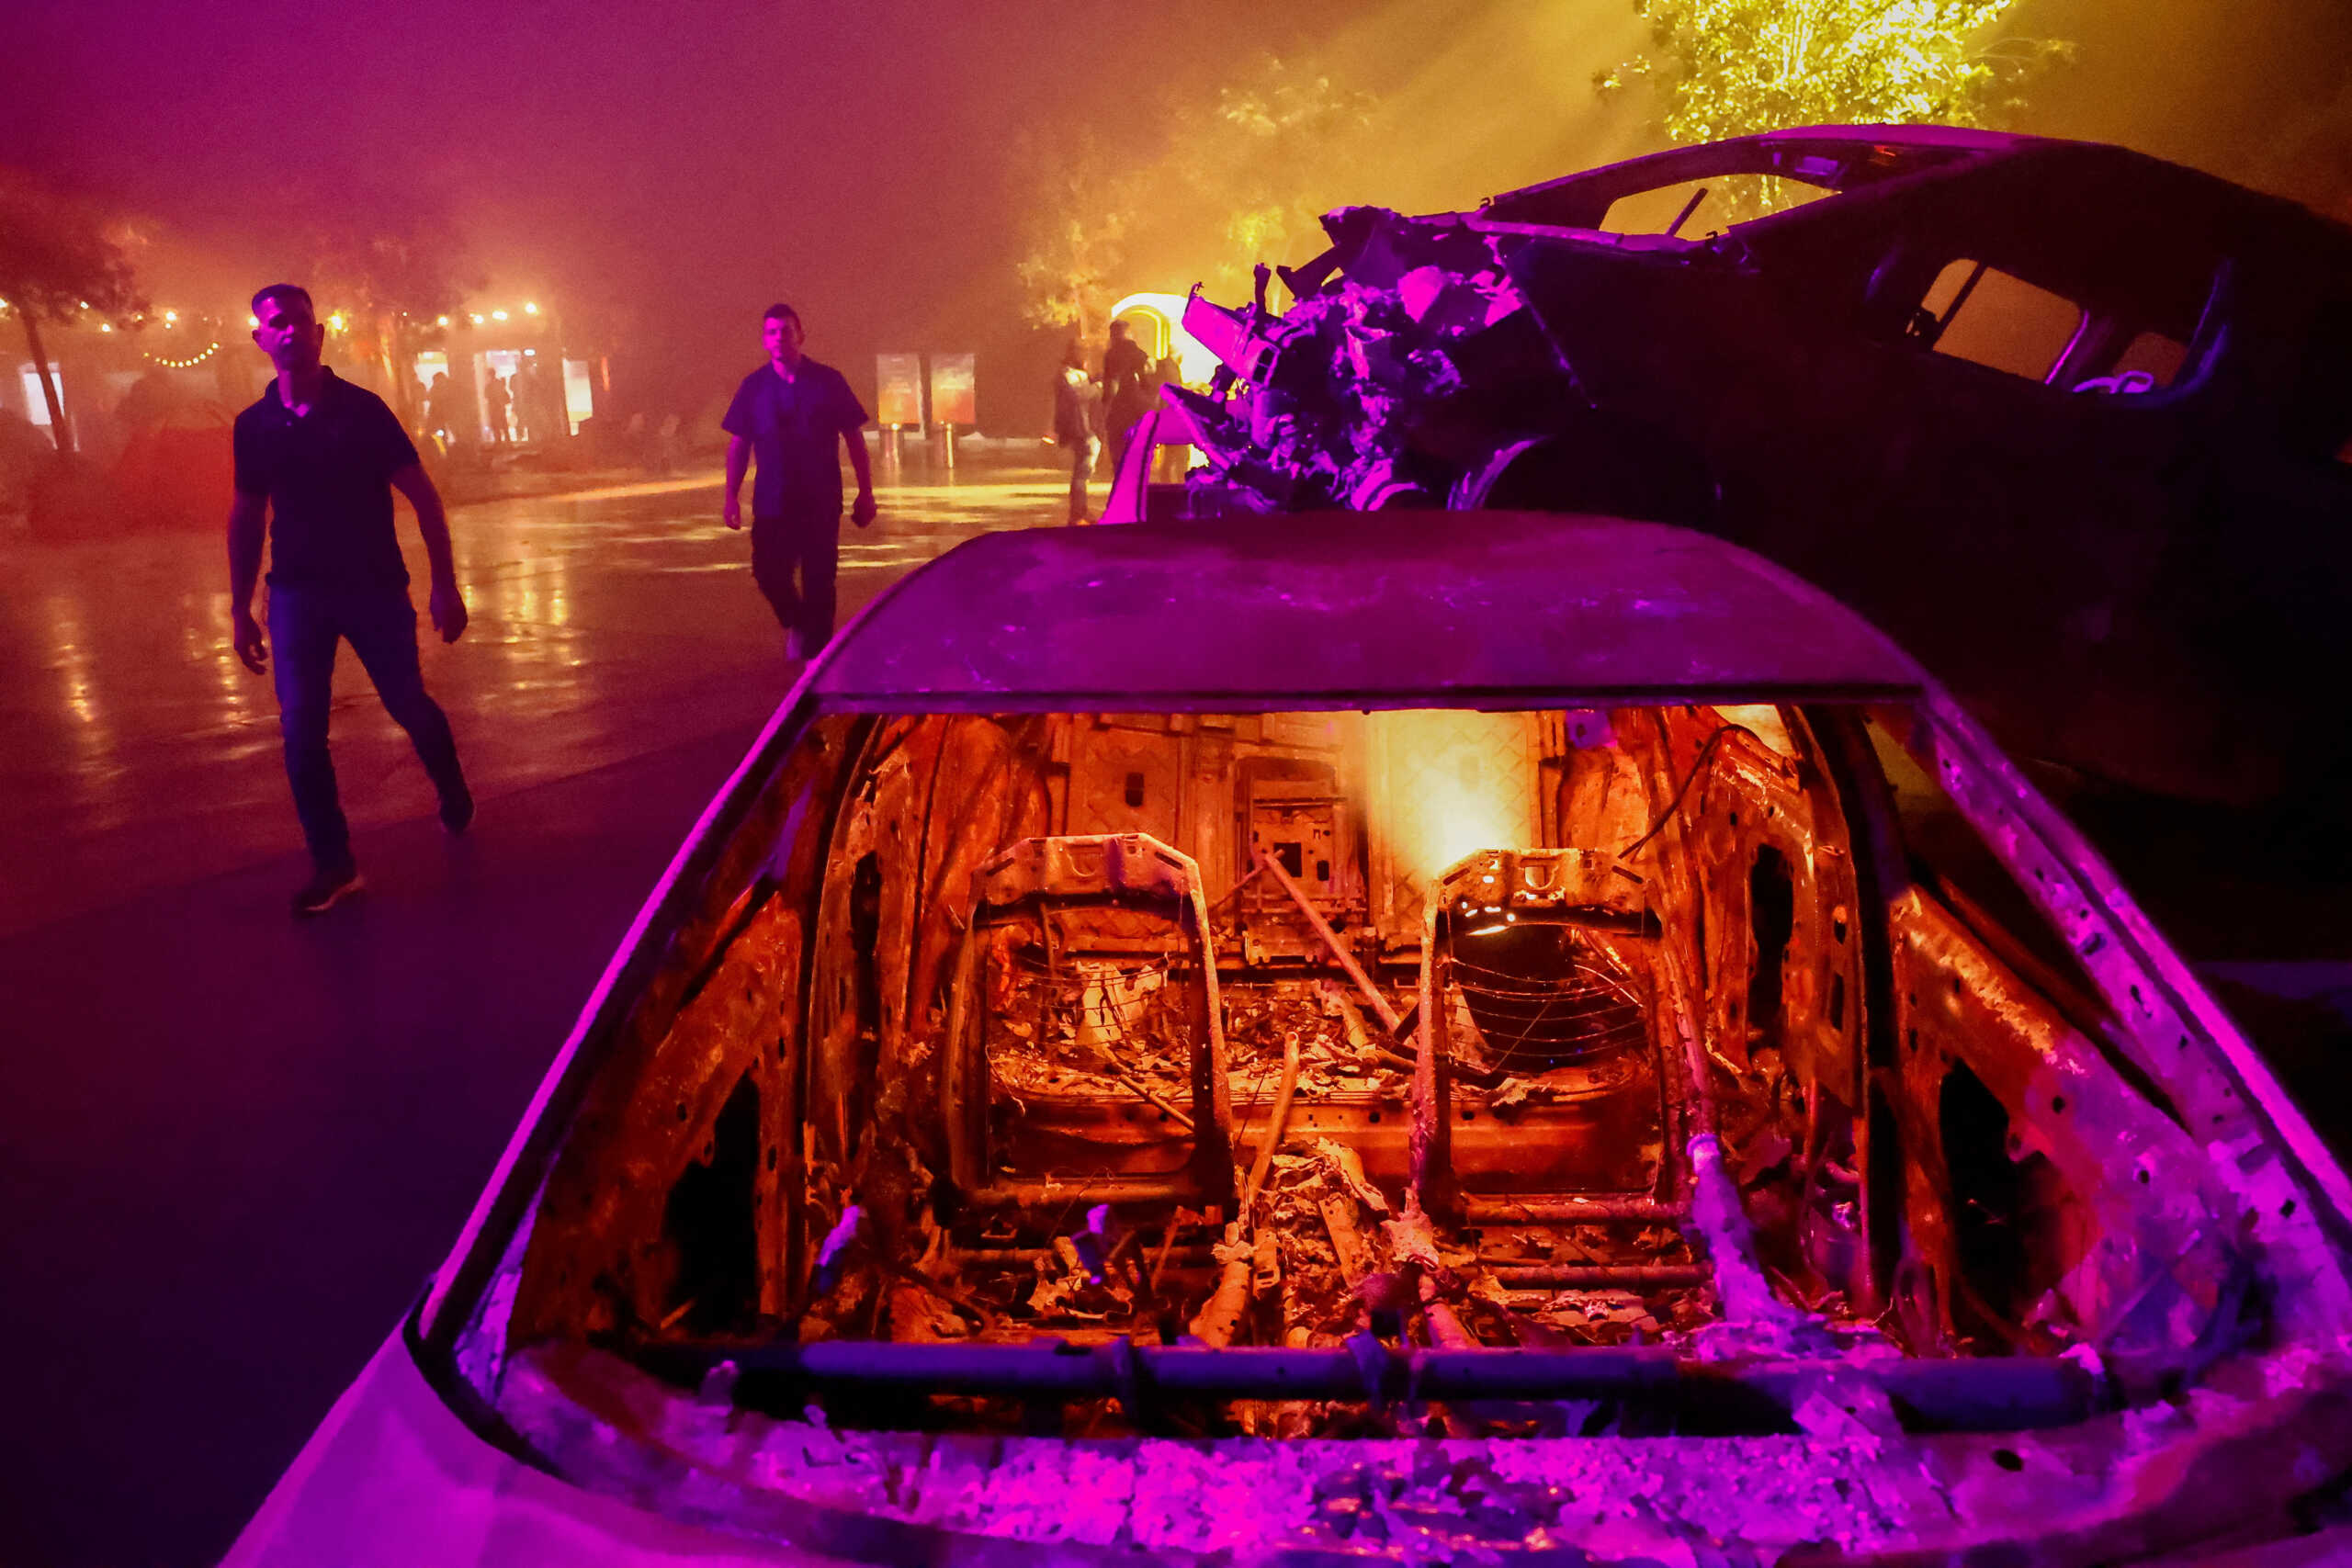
(1128, 388)
(1077, 404)
(792, 414)
(441, 419)
(495, 403)
(535, 410)
(317, 458)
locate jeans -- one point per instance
(812, 546)
(305, 624)
(1081, 468)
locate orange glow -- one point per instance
(1456, 783)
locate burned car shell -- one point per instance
(2138, 580)
(458, 1444)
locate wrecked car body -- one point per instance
(1557, 1042)
(2068, 421)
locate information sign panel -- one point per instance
(952, 398)
(898, 379)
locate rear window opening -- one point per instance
(1340, 1075)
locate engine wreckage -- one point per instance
(1658, 1131)
(2068, 421)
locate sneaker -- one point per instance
(457, 810)
(327, 887)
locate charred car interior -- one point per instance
(1080, 1051)
(1637, 1100)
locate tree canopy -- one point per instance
(1736, 67)
(60, 258)
(1219, 190)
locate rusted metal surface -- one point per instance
(1353, 612)
(2107, 1491)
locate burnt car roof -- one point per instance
(1355, 610)
(2131, 225)
(1837, 156)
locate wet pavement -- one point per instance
(231, 1144)
(605, 624)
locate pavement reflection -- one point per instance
(606, 623)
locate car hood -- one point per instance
(394, 1477)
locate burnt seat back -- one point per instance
(1097, 883)
(1531, 964)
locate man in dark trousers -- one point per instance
(1128, 390)
(792, 414)
(318, 459)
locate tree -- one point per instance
(1246, 182)
(60, 262)
(389, 280)
(1736, 67)
(1283, 148)
(1074, 240)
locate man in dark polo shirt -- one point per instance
(318, 458)
(792, 414)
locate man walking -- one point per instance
(1077, 403)
(1128, 390)
(793, 413)
(318, 459)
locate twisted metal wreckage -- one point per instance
(2070, 423)
(1670, 1129)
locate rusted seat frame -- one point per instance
(1086, 868)
(1539, 887)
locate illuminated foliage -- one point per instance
(1247, 180)
(1736, 67)
(61, 262)
(388, 278)
(1075, 239)
(1272, 160)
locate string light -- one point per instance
(441, 320)
(188, 364)
(529, 309)
(498, 315)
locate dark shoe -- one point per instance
(327, 887)
(457, 810)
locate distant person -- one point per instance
(319, 459)
(519, 389)
(1128, 389)
(1169, 462)
(667, 445)
(440, 411)
(792, 414)
(1075, 405)
(533, 409)
(495, 402)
